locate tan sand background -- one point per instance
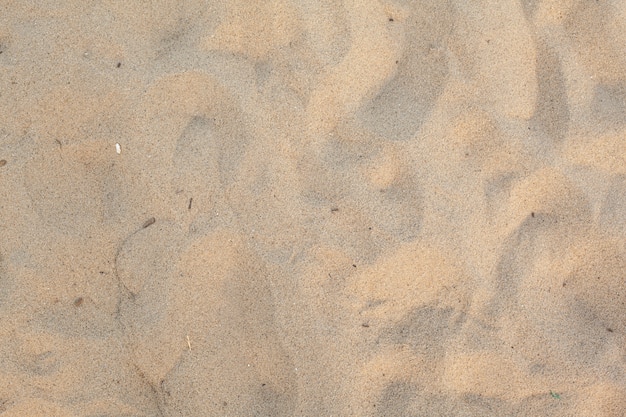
(361, 208)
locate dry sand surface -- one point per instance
(314, 208)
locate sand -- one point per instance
(313, 208)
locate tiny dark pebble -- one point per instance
(608, 329)
(391, 19)
(149, 222)
(532, 214)
(78, 302)
(119, 64)
(334, 209)
(354, 265)
(365, 325)
(3, 162)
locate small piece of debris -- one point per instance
(3, 162)
(118, 148)
(78, 302)
(365, 325)
(555, 395)
(149, 222)
(119, 64)
(334, 209)
(189, 206)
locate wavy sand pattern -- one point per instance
(319, 208)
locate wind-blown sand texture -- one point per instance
(316, 208)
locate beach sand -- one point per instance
(313, 208)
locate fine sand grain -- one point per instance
(368, 208)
